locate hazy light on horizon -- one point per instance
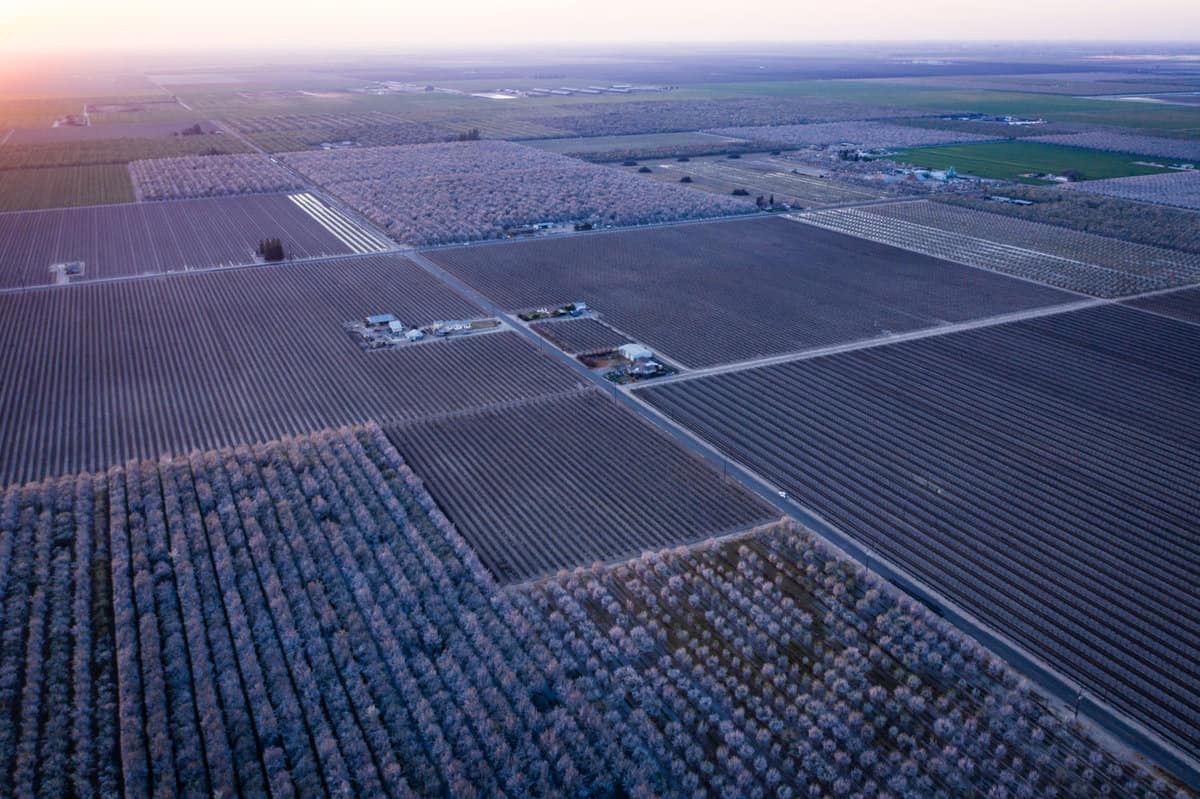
(143, 25)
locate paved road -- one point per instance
(893, 338)
(1107, 720)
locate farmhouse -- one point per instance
(644, 367)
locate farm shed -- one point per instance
(636, 352)
(379, 320)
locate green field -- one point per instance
(1008, 160)
(61, 187)
(113, 151)
(1165, 120)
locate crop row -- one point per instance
(871, 135)
(1113, 218)
(298, 618)
(727, 291)
(1042, 474)
(633, 148)
(580, 335)
(1183, 304)
(1181, 189)
(663, 116)
(210, 176)
(494, 124)
(218, 358)
(372, 661)
(763, 666)
(463, 191)
(154, 238)
(111, 130)
(60, 187)
(1129, 143)
(996, 256)
(1125, 257)
(113, 151)
(58, 677)
(398, 133)
(292, 132)
(569, 481)
(288, 122)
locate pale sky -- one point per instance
(125, 25)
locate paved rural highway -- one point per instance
(1106, 721)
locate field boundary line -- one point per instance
(1162, 315)
(495, 407)
(736, 534)
(202, 270)
(740, 217)
(164, 201)
(806, 217)
(878, 341)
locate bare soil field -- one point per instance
(760, 175)
(115, 130)
(718, 292)
(62, 187)
(218, 358)
(1042, 474)
(84, 151)
(1183, 304)
(580, 335)
(569, 482)
(153, 238)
